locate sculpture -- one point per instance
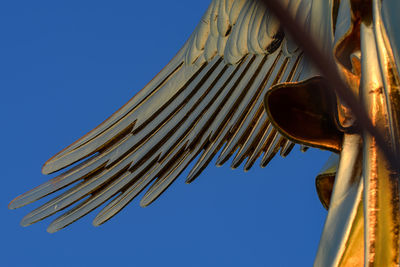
(222, 63)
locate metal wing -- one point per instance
(210, 96)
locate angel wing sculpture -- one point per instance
(242, 87)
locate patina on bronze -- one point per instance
(211, 97)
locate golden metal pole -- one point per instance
(381, 194)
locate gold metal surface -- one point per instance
(381, 193)
(211, 98)
(305, 113)
(326, 179)
(208, 98)
(373, 223)
(342, 218)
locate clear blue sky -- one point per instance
(65, 67)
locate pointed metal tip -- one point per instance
(219, 161)
(145, 202)
(235, 163)
(191, 176)
(264, 163)
(233, 166)
(26, 221)
(104, 215)
(47, 168)
(267, 159)
(249, 163)
(247, 167)
(23, 223)
(98, 221)
(22, 200)
(52, 229)
(219, 164)
(189, 179)
(14, 204)
(222, 158)
(56, 225)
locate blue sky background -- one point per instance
(65, 66)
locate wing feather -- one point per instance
(256, 106)
(210, 96)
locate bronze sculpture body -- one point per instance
(211, 96)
